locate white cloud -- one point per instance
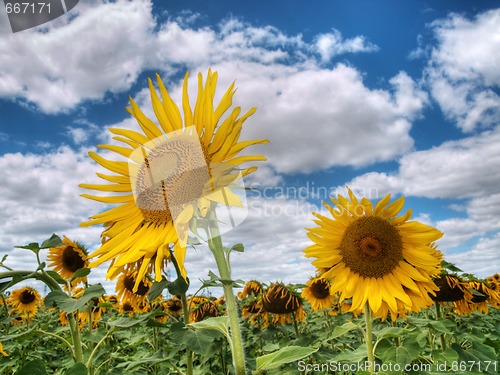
(106, 45)
(482, 259)
(332, 44)
(463, 72)
(455, 169)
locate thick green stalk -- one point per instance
(185, 311)
(217, 248)
(441, 337)
(368, 337)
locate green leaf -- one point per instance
(198, 341)
(32, 246)
(178, 286)
(220, 324)
(343, 329)
(68, 304)
(126, 322)
(157, 288)
(56, 277)
(53, 241)
(77, 369)
(82, 272)
(357, 355)
(450, 266)
(398, 354)
(284, 355)
(388, 332)
(238, 247)
(35, 367)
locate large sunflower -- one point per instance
(139, 230)
(25, 301)
(68, 258)
(374, 257)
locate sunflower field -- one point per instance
(382, 300)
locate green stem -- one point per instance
(368, 337)
(439, 315)
(91, 357)
(189, 353)
(217, 248)
(75, 335)
(295, 326)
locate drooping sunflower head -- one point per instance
(317, 293)
(282, 301)
(162, 182)
(25, 301)
(373, 256)
(204, 310)
(174, 307)
(252, 289)
(68, 258)
(451, 289)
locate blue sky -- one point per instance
(387, 97)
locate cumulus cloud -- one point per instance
(104, 46)
(463, 73)
(455, 169)
(332, 44)
(482, 259)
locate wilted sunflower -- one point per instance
(134, 233)
(25, 300)
(252, 289)
(174, 307)
(451, 289)
(126, 284)
(283, 303)
(373, 256)
(203, 310)
(480, 297)
(318, 294)
(67, 259)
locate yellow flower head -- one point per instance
(25, 301)
(142, 227)
(373, 256)
(67, 259)
(318, 294)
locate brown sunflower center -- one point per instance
(174, 306)
(173, 173)
(371, 247)
(279, 300)
(127, 307)
(72, 259)
(129, 283)
(450, 289)
(27, 297)
(320, 289)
